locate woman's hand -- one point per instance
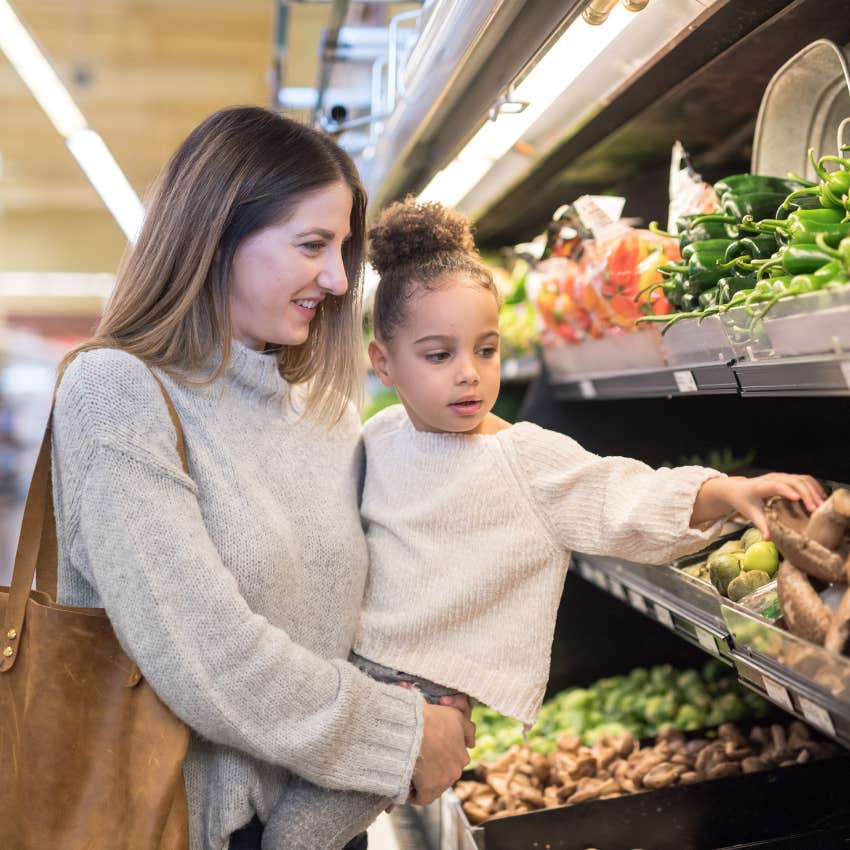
(720, 496)
(442, 755)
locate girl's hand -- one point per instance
(464, 705)
(747, 496)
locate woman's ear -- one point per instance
(380, 362)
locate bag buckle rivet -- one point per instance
(11, 634)
(8, 652)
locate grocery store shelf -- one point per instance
(823, 375)
(802, 679)
(520, 369)
(797, 376)
(707, 379)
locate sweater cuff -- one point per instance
(394, 717)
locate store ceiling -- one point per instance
(143, 72)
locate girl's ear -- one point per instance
(380, 362)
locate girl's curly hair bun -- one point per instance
(407, 233)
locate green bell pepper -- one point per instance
(746, 184)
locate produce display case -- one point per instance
(806, 680)
(714, 815)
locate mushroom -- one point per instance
(788, 523)
(828, 524)
(807, 616)
(838, 633)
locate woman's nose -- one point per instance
(332, 277)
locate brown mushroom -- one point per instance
(838, 634)
(806, 614)
(662, 775)
(690, 777)
(729, 768)
(476, 814)
(787, 522)
(828, 524)
(753, 765)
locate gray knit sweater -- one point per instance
(469, 541)
(237, 590)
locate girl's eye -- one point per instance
(313, 247)
(437, 357)
(488, 352)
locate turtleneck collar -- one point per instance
(255, 376)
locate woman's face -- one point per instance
(281, 273)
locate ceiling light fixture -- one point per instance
(571, 54)
(85, 144)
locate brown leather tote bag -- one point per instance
(90, 757)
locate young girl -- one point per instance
(470, 521)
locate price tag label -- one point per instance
(586, 388)
(777, 693)
(510, 368)
(845, 371)
(617, 589)
(706, 641)
(817, 716)
(664, 616)
(637, 601)
(685, 382)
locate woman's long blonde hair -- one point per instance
(239, 171)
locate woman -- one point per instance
(236, 589)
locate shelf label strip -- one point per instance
(637, 601)
(664, 616)
(778, 693)
(685, 381)
(706, 641)
(816, 715)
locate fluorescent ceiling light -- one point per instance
(580, 44)
(36, 72)
(55, 285)
(108, 180)
(88, 148)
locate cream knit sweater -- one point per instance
(236, 590)
(469, 541)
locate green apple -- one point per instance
(751, 535)
(761, 556)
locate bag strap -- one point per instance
(38, 554)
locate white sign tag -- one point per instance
(637, 601)
(706, 641)
(663, 615)
(685, 382)
(617, 589)
(586, 388)
(817, 715)
(778, 693)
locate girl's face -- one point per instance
(444, 360)
(281, 273)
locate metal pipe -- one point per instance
(392, 54)
(338, 13)
(596, 12)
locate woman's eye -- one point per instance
(313, 247)
(437, 356)
(488, 352)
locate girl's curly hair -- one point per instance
(416, 247)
